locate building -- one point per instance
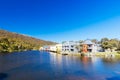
(58, 48)
(69, 47)
(46, 48)
(41, 48)
(89, 46)
(53, 48)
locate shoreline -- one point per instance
(94, 54)
(102, 54)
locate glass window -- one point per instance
(72, 46)
(72, 49)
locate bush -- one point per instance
(118, 52)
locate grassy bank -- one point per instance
(106, 53)
(75, 54)
(97, 54)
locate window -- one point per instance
(72, 46)
(89, 45)
(72, 49)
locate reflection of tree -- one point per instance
(111, 60)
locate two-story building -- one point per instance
(69, 47)
(89, 46)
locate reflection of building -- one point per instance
(85, 59)
(89, 46)
(69, 47)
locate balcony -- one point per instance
(90, 47)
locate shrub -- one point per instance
(118, 52)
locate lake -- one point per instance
(36, 65)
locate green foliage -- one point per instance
(118, 52)
(104, 40)
(10, 42)
(112, 43)
(94, 41)
(118, 47)
(79, 47)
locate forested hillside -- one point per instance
(10, 42)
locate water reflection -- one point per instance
(3, 75)
(111, 59)
(86, 67)
(113, 78)
(35, 65)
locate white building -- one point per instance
(99, 48)
(69, 47)
(58, 48)
(41, 48)
(46, 48)
(53, 48)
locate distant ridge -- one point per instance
(24, 40)
(5, 33)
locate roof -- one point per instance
(87, 42)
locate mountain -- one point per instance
(10, 42)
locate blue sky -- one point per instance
(60, 20)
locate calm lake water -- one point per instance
(36, 65)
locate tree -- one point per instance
(94, 41)
(4, 43)
(109, 44)
(104, 40)
(79, 47)
(118, 47)
(10, 42)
